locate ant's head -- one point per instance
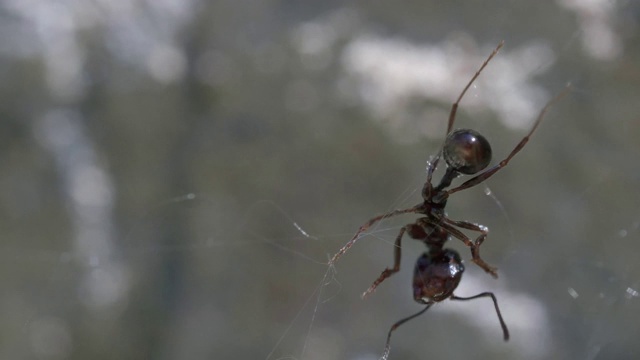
(466, 151)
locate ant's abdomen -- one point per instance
(436, 275)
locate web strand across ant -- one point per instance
(438, 271)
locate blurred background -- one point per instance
(175, 175)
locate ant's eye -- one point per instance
(466, 151)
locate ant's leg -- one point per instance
(488, 173)
(475, 249)
(397, 254)
(387, 347)
(427, 190)
(505, 331)
(366, 226)
(471, 226)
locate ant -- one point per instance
(438, 271)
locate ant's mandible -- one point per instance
(438, 271)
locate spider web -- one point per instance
(94, 265)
